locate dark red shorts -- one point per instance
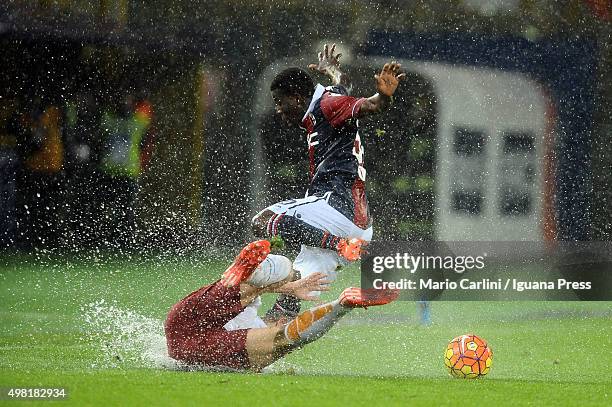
(195, 333)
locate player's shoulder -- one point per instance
(336, 90)
(334, 97)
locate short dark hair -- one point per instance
(293, 81)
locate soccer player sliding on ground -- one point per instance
(196, 327)
(332, 222)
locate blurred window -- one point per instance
(518, 174)
(468, 171)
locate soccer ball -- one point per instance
(468, 357)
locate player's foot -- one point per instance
(354, 297)
(246, 262)
(350, 249)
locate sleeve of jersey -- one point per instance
(337, 109)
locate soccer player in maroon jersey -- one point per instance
(332, 221)
(199, 330)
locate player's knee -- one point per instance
(260, 222)
(280, 341)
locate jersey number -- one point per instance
(358, 153)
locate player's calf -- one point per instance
(295, 232)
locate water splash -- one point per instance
(124, 338)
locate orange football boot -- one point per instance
(246, 262)
(354, 297)
(351, 249)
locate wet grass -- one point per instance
(545, 353)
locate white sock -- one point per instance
(273, 269)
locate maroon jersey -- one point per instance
(336, 152)
(195, 333)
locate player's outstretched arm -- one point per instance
(386, 85)
(303, 287)
(329, 65)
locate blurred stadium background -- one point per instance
(194, 76)
(501, 132)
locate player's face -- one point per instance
(289, 107)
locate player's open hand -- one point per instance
(329, 61)
(314, 282)
(389, 78)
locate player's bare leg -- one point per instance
(266, 345)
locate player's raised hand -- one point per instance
(314, 282)
(329, 61)
(389, 78)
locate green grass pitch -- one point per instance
(545, 353)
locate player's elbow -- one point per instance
(370, 107)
